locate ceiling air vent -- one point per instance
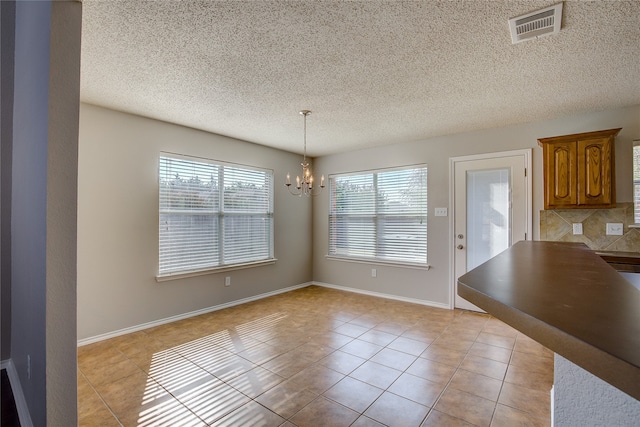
(536, 24)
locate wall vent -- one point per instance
(540, 23)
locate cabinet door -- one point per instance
(595, 172)
(560, 174)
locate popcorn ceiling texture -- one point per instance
(372, 72)
(557, 225)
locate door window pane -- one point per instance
(488, 215)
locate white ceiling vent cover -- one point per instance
(536, 24)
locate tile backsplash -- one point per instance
(557, 226)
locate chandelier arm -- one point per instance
(294, 193)
(314, 192)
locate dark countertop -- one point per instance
(622, 261)
(630, 257)
(566, 297)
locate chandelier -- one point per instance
(304, 184)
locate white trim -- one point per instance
(381, 295)
(159, 322)
(399, 264)
(18, 394)
(527, 153)
(389, 169)
(511, 153)
(176, 276)
(215, 162)
(451, 239)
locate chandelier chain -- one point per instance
(305, 113)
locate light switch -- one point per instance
(441, 211)
(577, 228)
(614, 229)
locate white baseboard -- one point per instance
(382, 295)
(18, 395)
(159, 322)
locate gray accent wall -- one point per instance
(29, 203)
(7, 15)
(43, 207)
(433, 286)
(118, 223)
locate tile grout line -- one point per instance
(446, 387)
(100, 397)
(504, 377)
(317, 363)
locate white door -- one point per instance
(491, 211)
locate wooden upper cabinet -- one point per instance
(579, 170)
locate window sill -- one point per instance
(633, 226)
(176, 276)
(379, 262)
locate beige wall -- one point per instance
(433, 286)
(118, 220)
(118, 223)
(62, 179)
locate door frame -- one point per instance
(527, 154)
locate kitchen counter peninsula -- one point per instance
(566, 297)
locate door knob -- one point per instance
(460, 247)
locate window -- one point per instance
(213, 215)
(636, 183)
(379, 215)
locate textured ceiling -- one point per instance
(373, 72)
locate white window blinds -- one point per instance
(213, 215)
(379, 215)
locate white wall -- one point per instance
(433, 286)
(118, 223)
(582, 399)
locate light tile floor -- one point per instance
(318, 357)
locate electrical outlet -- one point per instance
(577, 228)
(227, 281)
(614, 229)
(441, 211)
(374, 272)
